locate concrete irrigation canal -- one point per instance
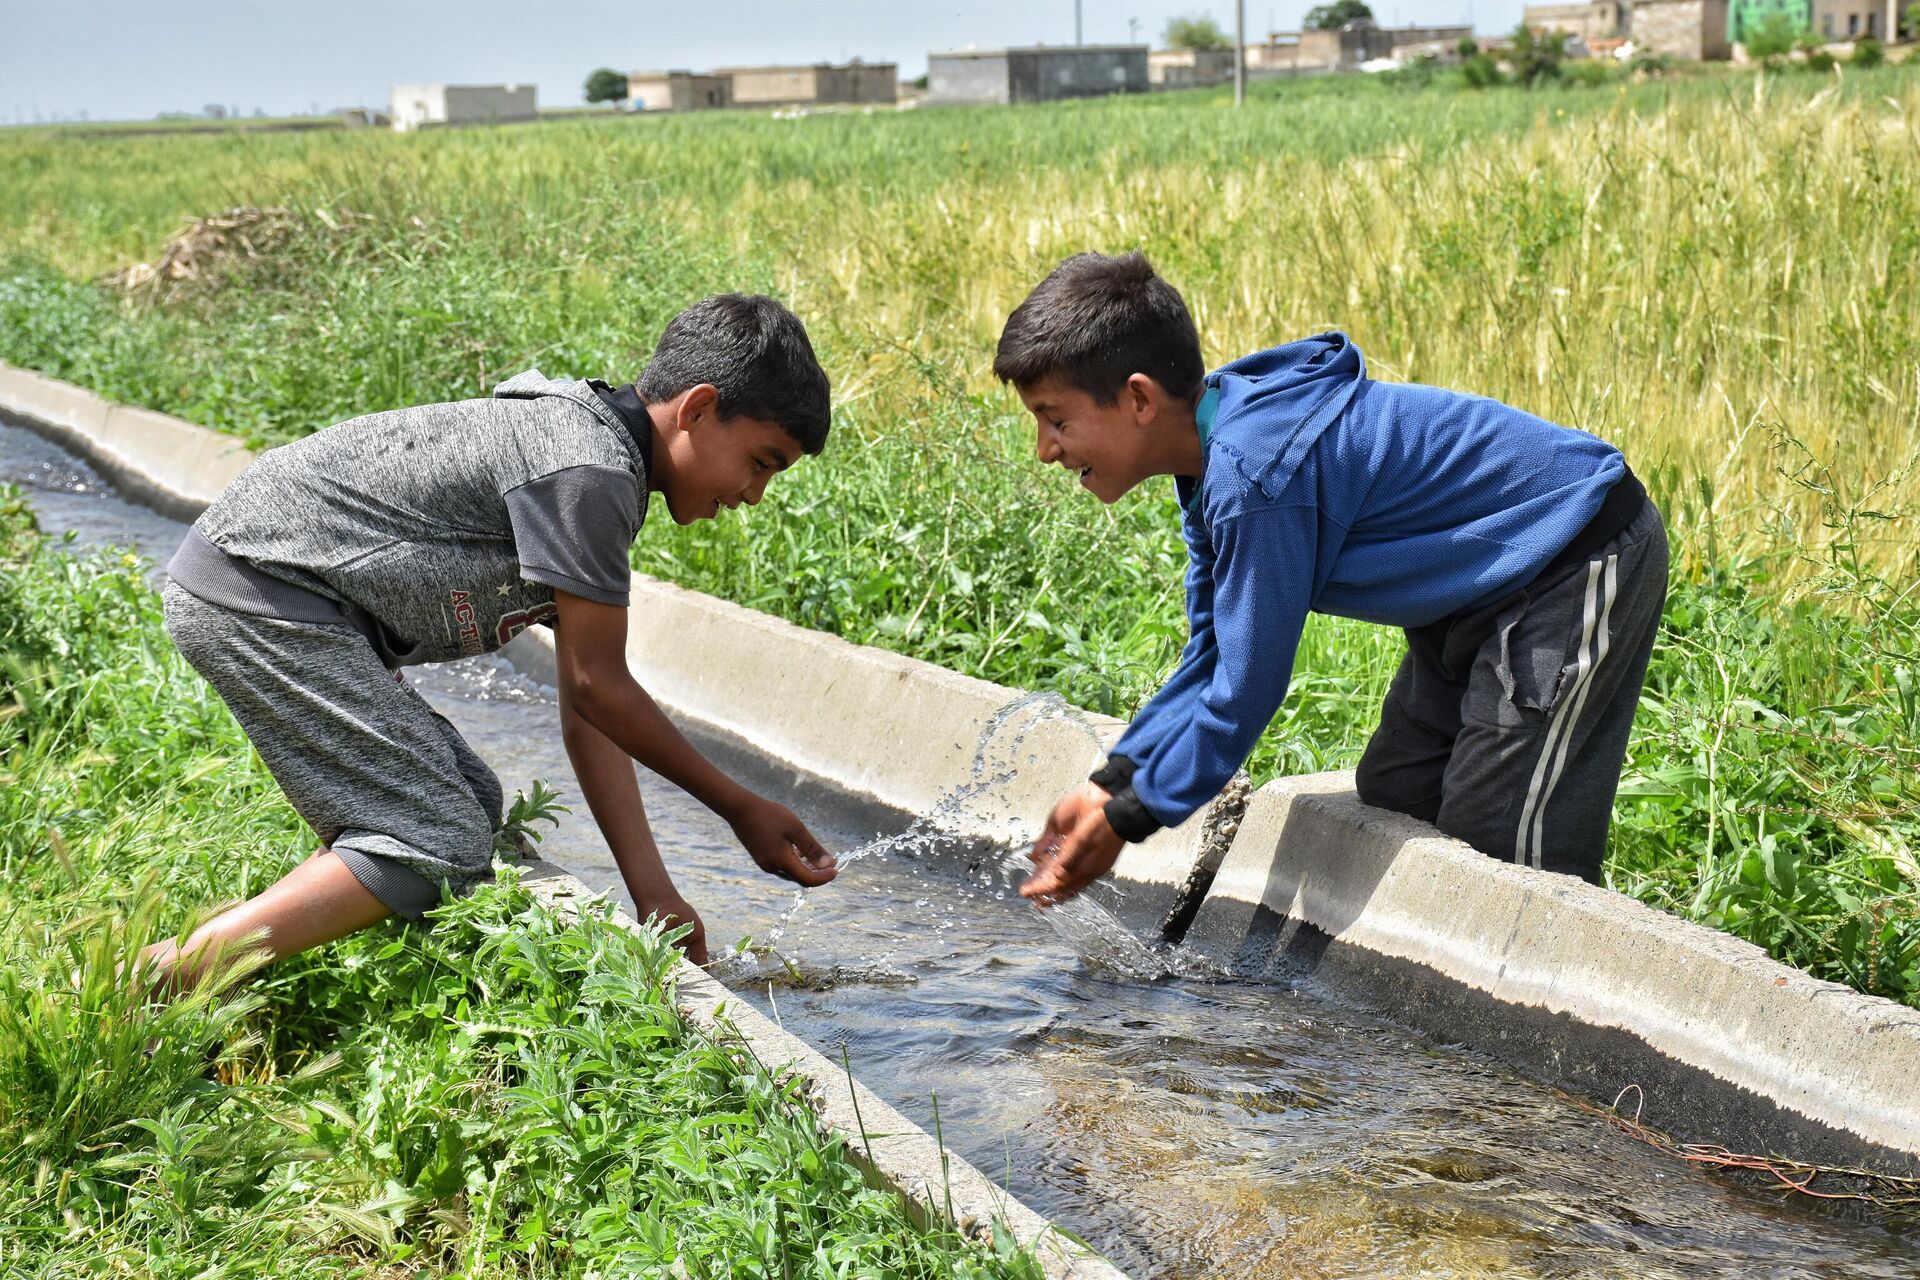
(1297, 1090)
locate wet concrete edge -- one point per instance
(1577, 985)
(1607, 1067)
(892, 1152)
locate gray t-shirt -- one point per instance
(440, 530)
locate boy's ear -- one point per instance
(699, 404)
(1142, 396)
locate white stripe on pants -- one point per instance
(1602, 587)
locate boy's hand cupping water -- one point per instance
(1077, 847)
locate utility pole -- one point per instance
(1239, 52)
(1076, 23)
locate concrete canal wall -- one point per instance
(1579, 986)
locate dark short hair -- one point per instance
(755, 353)
(1095, 321)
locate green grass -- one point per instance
(509, 1093)
(1711, 271)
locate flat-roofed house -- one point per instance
(1830, 20)
(817, 84)
(415, 106)
(1189, 68)
(1688, 30)
(1852, 19)
(1344, 48)
(1040, 73)
(678, 91)
(1590, 20)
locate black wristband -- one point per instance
(1116, 773)
(1125, 814)
(1128, 817)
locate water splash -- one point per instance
(981, 802)
(484, 678)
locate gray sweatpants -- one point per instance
(1506, 727)
(380, 776)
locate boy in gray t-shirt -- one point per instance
(433, 533)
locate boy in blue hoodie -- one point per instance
(1523, 559)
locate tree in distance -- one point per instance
(1536, 59)
(1336, 14)
(1196, 31)
(1775, 38)
(606, 85)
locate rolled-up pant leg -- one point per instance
(382, 779)
(1534, 701)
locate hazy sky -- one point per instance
(131, 59)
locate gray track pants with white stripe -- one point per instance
(1506, 727)
(379, 775)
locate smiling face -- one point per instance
(1109, 447)
(704, 462)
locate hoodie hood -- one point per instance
(1269, 408)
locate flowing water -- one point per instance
(1186, 1125)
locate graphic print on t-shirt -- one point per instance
(467, 623)
(514, 623)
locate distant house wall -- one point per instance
(817, 84)
(1831, 20)
(650, 90)
(489, 103)
(968, 77)
(1038, 74)
(1189, 68)
(871, 82)
(1301, 52)
(1744, 17)
(1323, 49)
(414, 105)
(773, 86)
(1081, 71)
(1280, 56)
(858, 82)
(1592, 20)
(1690, 30)
(1849, 19)
(1401, 37)
(678, 91)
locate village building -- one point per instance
(416, 106)
(1344, 49)
(1039, 73)
(1189, 68)
(1850, 19)
(1590, 20)
(1830, 20)
(1685, 30)
(818, 84)
(678, 91)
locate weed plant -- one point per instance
(508, 1093)
(1708, 271)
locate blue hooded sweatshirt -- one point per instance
(1324, 490)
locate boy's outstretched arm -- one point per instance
(606, 779)
(590, 643)
(1247, 607)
